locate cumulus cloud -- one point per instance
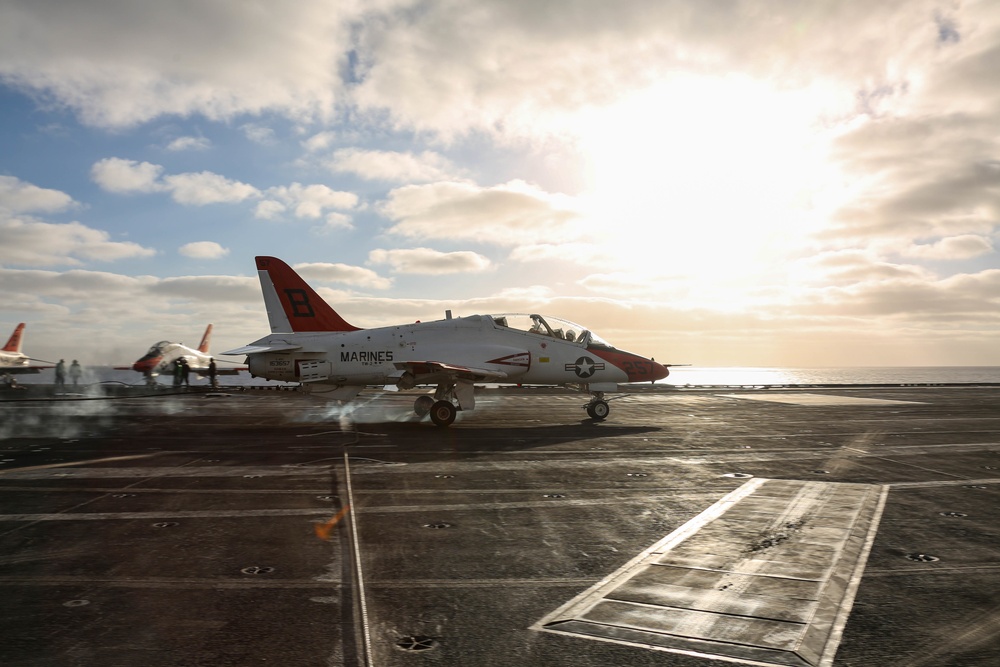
(951, 248)
(258, 133)
(123, 176)
(391, 166)
(126, 176)
(199, 189)
(26, 242)
(504, 215)
(144, 309)
(118, 64)
(430, 262)
(17, 196)
(319, 141)
(189, 144)
(207, 188)
(343, 273)
(203, 250)
(306, 201)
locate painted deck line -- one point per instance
(819, 399)
(738, 584)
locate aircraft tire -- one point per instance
(598, 410)
(443, 413)
(423, 405)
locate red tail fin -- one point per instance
(291, 304)
(206, 340)
(14, 343)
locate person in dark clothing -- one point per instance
(211, 373)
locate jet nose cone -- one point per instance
(146, 365)
(659, 371)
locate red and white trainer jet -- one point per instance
(12, 360)
(161, 357)
(311, 343)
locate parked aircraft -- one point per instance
(311, 343)
(161, 357)
(12, 360)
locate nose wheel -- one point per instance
(598, 409)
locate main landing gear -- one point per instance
(598, 408)
(441, 407)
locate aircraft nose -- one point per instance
(146, 365)
(659, 371)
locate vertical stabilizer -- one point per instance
(206, 340)
(14, 343)
(291, 304)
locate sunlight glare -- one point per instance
(714, 179)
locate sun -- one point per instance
(710, 178)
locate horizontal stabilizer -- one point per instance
(258, 349)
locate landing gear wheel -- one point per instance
(598, 410)
(443, 413)
(422, 405)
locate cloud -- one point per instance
(126, 176)
(17, 196)
(305, 201)
(430, 262)
(118, 64)
(203, 250)
(207, 188)
(189, 144)
(585, 254)
(207, 289)
(392, 166)
(952, 248)
(269, 209)
(259, 134)
(505, 214)
(26, 242)
(319, 141)
(114, 318)
(343, 273)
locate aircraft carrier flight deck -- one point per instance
(819, 526)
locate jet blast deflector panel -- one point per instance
(765, 576)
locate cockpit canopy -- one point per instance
(156, 350)
(553, 327)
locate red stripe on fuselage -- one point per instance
(638, 369)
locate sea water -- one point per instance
(695, 376)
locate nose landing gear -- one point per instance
(598, 408)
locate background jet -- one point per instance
(13, 361)
(311, 343)
(161, 357)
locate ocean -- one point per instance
(749, 376)
(681, 376)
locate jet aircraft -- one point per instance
(161, 357)
(311, 343)
(12, 360)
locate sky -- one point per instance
(718, 183)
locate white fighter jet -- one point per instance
(311, 343)
(161, 357)
(12, 360)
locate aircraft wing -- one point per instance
(258, 349)
(437, 369)
(22, 370)
(203, 372)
